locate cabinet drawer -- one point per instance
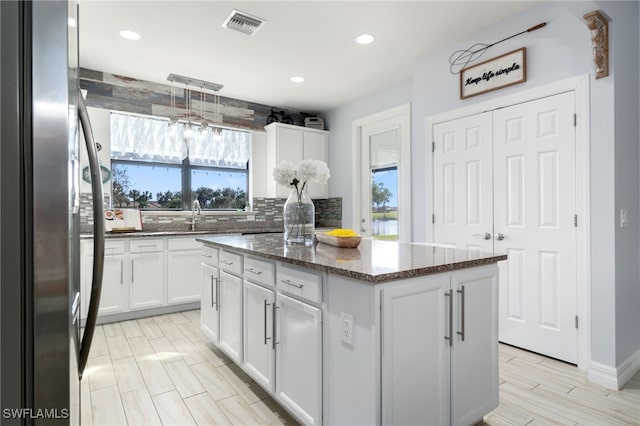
(209, 256)
(259, 271)
(230, 262)
(183, 244)
(110, 247)
(304, 284)
(146, 245)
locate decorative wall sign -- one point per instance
(502, 71)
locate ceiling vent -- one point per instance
(242, 22)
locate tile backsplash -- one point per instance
(265, 216)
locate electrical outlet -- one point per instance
(346, 322)
(624, 218)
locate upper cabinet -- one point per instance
(294, 144)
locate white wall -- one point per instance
(101, 125)
(561, 50)
(339, 124)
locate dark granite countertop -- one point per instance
(373, 261)
(156, 234)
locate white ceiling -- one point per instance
(314, 39)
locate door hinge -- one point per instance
(576, 321)
(433, 147)
(575, 120)
(433, 218)
(575, 220)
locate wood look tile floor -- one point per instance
(161, 371)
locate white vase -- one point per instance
(299, 219)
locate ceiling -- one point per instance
(313, 39)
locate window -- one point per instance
(157, 166)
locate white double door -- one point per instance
(504, 182)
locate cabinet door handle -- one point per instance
(289, 282)
(226, 262)
(218, 284)
(205, 255)
(212, 291)
(265, 321)
(448, 337)
(461, 332)
(253, 271)
(273, 325)
(131, 271)
(121, 271)
(148, 245)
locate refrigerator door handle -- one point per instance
(98, 235)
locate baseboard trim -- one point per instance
(614, 377)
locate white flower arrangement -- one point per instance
(305, 171)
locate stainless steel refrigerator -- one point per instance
(42, 348)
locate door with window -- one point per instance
(525, 203)
(382, 179)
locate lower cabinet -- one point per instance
(259, 345)
(230, 306)
(209, 313)
(183, 276)
(298, 334)
(276, 339)
(147, 280)
(140, 273)
(440, 349)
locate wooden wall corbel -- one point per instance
(599, 26)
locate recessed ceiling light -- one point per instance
(130, 35)
(364, 39)
(71, 22)
(297, 79)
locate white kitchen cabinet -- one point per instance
(209, 312)
(113, 297)
(294, 144)
(415, 355)
(258, 334)
(147, 273)
(183, 275)
(440, 349)
(298, 334)
(474, 358)
(230, 307)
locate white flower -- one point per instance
(307, 170)
(284, 173)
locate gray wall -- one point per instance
(561, 50)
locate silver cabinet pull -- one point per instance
(461, 332)
(448, 337)
(253, 271)
(211, 290)
(148, 245)
(501, 237)
(289, 282)
(273, 326)
(218, 285)
(485, 236)
(121, 271)
(265, 321)
(205, 255)
(226, 262)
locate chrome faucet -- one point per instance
(194, 208)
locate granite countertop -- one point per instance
(374, 261)
(156, 234)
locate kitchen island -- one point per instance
(386, 333)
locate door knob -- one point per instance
(485, 236)
(500, 237)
